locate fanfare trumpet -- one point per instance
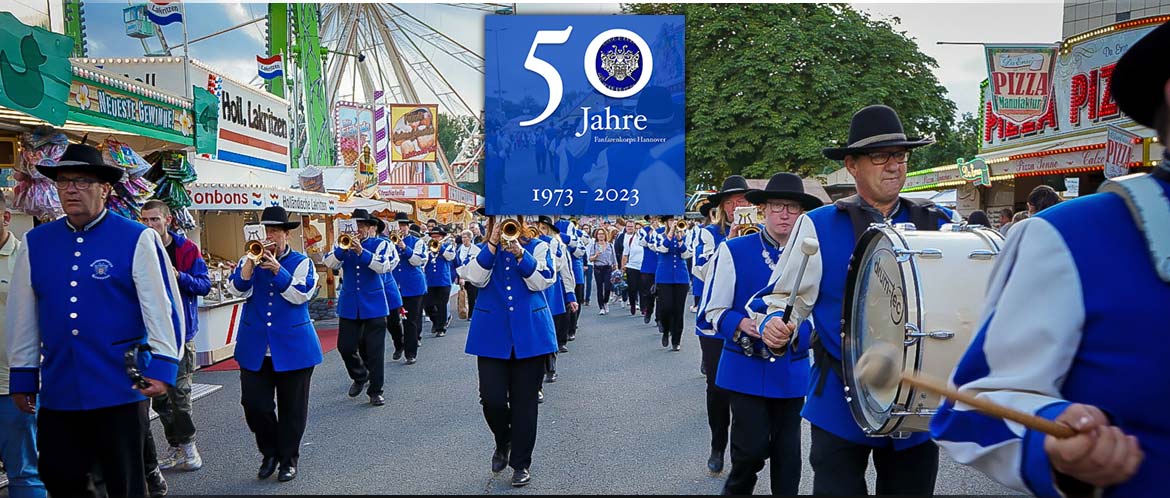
(395, 237)
(510, 230)
(254, 249)
(435, 245)
(533, 232)
(347, 241)
(680, 226)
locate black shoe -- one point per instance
(356, 388)
(287, 474)
(677, 347)
(397, 354)
(665, 340)
(550, 377)
(411, 361)
(500, 459)
(646, 318)
(267, 467)
(715, 463)
(572, 337)
(156, 485)
(562, 349)
(703, 369)
(521, 477)
(441, 333)
(377, 400)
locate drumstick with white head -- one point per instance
(880, 368)
(808, 247)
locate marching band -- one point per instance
(782, 288)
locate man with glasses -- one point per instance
(876, 157)
(765, 395)
(98, 287)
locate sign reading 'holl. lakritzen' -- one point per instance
(585, 115)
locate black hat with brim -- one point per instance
(732, 185)
(401, 217)
(437, 231)
(705, 209)
(1139, 79)
(83, 159)
(875, 127)
(785, 186)
(276, 216)
(547, 220)
(363, 216)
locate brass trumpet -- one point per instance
(435, 245)
(395, 237)
(510, 230)
(347, 241)
(680, 226)
(254, 249)
(533, 232)
(748, 230)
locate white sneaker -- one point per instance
(601, 311)
(168, 461)
(189, 458)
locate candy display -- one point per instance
(127, 196)
(35, 194)
(172, 173)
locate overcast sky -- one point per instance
(960, 70)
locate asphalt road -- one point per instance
(626, 416)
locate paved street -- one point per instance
(625, 417)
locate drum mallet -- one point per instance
(879, 368)
(808, 247)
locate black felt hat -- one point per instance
(784, 186)
(875, 127)
(547, 220)
(401, 217)
(85, 159)
(734, 184)
(363, 216)
(1139, 79)
(278, 217)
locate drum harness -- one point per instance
(924, 214)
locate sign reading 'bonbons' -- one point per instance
(585, 115)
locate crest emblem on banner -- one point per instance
(619, 63)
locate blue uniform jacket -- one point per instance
(363, 295)
(409, 272)
(649, 256)
(438, 267)
(672, 263)
(709, 238)
(78, 300)
(737, 272)
(393, 295)
(276, 319)
(511, 318)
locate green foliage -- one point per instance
(452, 133)
(770, 85)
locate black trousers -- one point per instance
(601, 275)
(839, 467)
(574, 316)
(362, 344)
(394, 327)
(764, 428)
(276, 407)
(412, 325)
(646, 293)
(634, 284)
(472, 293)
(718, 399)
(436, 307)
(561, 325)
(73, 443)
(507, 391)
(672, 309)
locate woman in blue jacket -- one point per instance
(512, 335)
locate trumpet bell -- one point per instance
(681, 225)
(748, 230)
(254, 249)
(345, 242)
(510, 230)
(434, 245)
(395, 237)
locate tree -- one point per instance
(452, 132)
(962, 141)
(770, 85)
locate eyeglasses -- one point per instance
(778, 207)
(880, 158)
(80, 183)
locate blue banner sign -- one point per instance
(584, 115)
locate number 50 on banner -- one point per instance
(584, 115)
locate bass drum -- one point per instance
(921, 291)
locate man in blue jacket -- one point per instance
(362, 307)
(412, 284)
(876, 156)
(97, 286)
(174, 407)
(438, 271)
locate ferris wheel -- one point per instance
(387, 55)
